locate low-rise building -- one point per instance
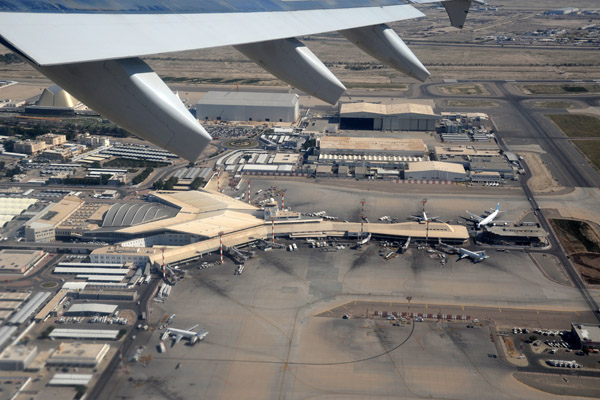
(90, 309)
(17, 358)
(586, 335)
(52, 139)
(78, 355)
(17, 261)
(42, 227)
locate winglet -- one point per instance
(457, 11)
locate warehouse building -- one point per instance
(17, 358)
(78, 355)
(92, 334)
(91, 309)
(11, 207)
(248, 106)
(18, 261)
(435, 170)
(390, 117)
(345, 145)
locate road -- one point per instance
(101, 386)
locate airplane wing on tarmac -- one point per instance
(92, 48)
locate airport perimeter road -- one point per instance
(557, 249)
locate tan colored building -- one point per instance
(203, 215)
(42, 227)
(372, 146)
(13, 261)
(59, 154)
(17, 358)
(29, 146)
(52, 139)
(394, 117)
(435, 170)
(79, 354)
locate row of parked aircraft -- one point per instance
(487, 218)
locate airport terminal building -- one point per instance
(248, 106)
(387, 117)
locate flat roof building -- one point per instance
(42, 227)
(394, 117)
(586, 335)
(70, 380)
(17, 358)
(78, 355)
(92, 334)
(372, 145)
(248, 106)
(13, 261)
(88, 309)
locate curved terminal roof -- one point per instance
(130, 214)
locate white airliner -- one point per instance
(189, 334)
(475, 256)
(484, 221)
(92, 48)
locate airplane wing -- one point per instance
(92, 48)
(192, 328)
(475, 216)
(178, 338)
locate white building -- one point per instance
(248, 106)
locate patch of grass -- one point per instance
(591, 148)
(49, 284)
(554, 104)
(574, 125)
(561, 89)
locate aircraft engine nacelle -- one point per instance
(382, 43)
(292, 62)
(132, 95)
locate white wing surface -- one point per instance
(92, 48)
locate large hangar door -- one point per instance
(362, 124)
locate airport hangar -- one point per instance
(387, 117)
(248, 106)
(201, 217)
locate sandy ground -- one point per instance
(542, 180)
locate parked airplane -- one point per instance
(190, 334)
(484, 221)
(475, 256)
(424, 218)
(92, 49)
